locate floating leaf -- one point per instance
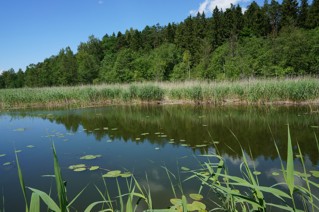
(314, 126)
(2, 155)
(216, 142)
(191, 207)
(7, 164)
(19, 130)
(138, 139)
(176, 201)
(315, 173)
(171, 142)
(105, 128)
(115, 173)
(18, 151)
(79, 169)
(201, 145)
(109, 141)
(196, 196)
(275, 174)
(114, 129)
(90, 157)
(182, 140)
(256, 173)
(77, 166)
(205, 125)
(163, 136)
(145, 134)
(185, 168)
(184, 145)
(126, 174)
(97, 129)
(157, 148)
(30, 146)
(199, 205)
(157, 133)
(93, 168)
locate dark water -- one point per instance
(171, 138)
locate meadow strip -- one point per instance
(256, 91)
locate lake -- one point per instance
(146, 140)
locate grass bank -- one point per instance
(298, 90)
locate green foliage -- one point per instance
(275, 39)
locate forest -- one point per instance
(272, 40)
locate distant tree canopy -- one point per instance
(264, 41)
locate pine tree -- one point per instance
(303, 13)
(289, 12)
(274, 17)
(313, 18)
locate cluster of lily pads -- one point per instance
(183, 205)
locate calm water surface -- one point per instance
(142, 139)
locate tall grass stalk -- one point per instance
(244, 92)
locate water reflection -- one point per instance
(141, 139)
(197, 127)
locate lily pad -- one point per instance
(191, 207)
(79, 169)
(176, 201)
(196, 196)
(18, 151)
(256, 173)
(275, 174)
(114, 129)
(2, 155)
(19, 130)
(30, 146)
(126, 174)
(90, 157)
(199, 205)
(110, 174)
(315, 173)
(109, 141)
(157, 148)
(7, 164)
(201, 145)
(138, 139)
(185, 168)
(77, 166)
(93, 168)
(145, 134)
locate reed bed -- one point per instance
(256, 91)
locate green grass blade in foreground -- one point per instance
(59, 183)
(35, 203)
(22, 184)
(75, 198)
(46, 199)
(290, 165)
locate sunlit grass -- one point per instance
(244, 91)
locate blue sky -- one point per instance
(32, 30)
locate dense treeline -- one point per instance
(270, 40)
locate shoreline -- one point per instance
(228, 102)
(295, 91)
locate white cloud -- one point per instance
(209, 5)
